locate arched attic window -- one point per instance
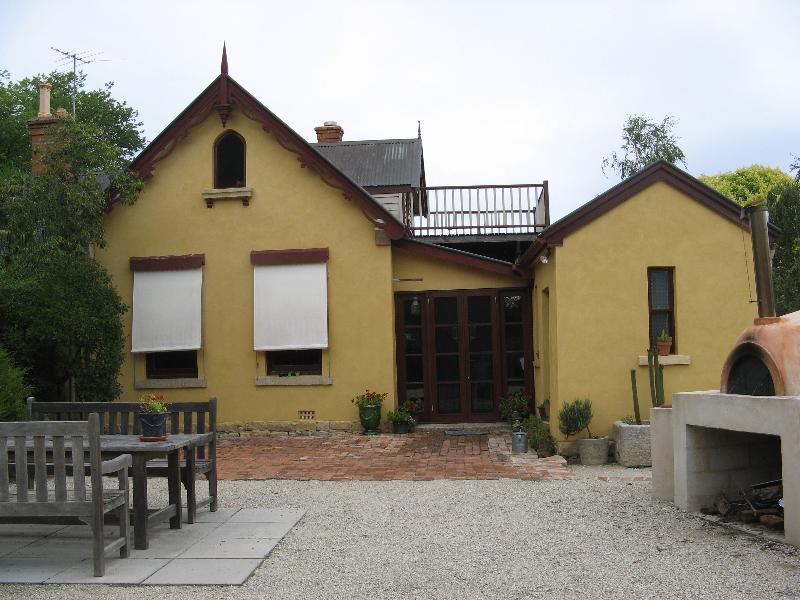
(229, 161)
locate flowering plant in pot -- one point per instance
(402, 421)
(514, 406)
(369, 410)
(573, 418)
(152, 417)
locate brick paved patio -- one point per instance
(421, 456)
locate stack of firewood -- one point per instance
(762, 502)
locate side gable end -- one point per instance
(660, 171)
(224, 93)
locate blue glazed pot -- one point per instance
(152, 424)
(370, 417)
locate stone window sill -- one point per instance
(672, 359)
(178, 383)
(243, 193)
(294, 380)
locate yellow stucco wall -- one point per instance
(601, 327)
(291, 207)
(440, 275)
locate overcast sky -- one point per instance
(507, 92)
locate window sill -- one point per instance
(243, 193)
(672, 359)
(294, 380)
(178, 383)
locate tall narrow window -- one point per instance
(229, 171)
(661, 298)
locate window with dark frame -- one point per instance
(229, 157)
(661, 300)
(172, 365)
(283, 363)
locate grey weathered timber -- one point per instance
(47, 443)
(187, 417)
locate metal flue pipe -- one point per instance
(762, 262)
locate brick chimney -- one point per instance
(330, 131)
(39, 126)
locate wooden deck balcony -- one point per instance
(477, 212)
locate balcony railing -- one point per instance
(479, 210)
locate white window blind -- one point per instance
(166, 310)
(290, 306)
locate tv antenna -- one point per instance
(85, 58)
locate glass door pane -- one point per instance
(447, 358)
(480, 353)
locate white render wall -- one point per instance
(713, 453)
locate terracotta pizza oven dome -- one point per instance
(765, 360)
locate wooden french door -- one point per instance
(458, 351)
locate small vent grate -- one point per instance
(307, 415)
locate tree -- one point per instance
(782, 194)
(643, 143)
(19, 101)
(60, 317)
(747, 183)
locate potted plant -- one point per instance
(402, 421)
(152, 418)
(573, 418)
(539, 437)
(632, 435)
(664, 343)
(514, 406)
(369, 410)
(414, 407)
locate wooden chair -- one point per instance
(66, 443)
(182, 417)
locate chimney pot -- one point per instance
(330, 131)
(44, 99)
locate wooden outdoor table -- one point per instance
(141, 452)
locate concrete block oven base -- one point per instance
(725, 442)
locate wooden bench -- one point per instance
(65, 443)
(182, 417)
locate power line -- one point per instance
(85, 58)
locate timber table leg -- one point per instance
(140, 502)
(174, 485)
(191, 497)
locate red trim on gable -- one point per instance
(167, 263)
(660, 171)
(300, 256)
(209, 99)
(461, 258)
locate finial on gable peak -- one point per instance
(419, 130)
(224, 65)
(223, 104)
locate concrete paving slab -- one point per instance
(129, 570)
(16, 569)
(83, 532)
(12, 544)
(201, 571)
(169, 543)
(231, 531)
(7, 530)
(231, 548)
(49, 547)
(206, 516)
(267, 515)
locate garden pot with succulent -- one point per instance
(369, 410)
(664, 343)
(152, 418)
(573, 418)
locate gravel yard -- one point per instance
(582, 538)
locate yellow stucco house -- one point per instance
(286, 277)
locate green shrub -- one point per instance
(575, 416)
(13, 389)
(539, 437)
(515, 402)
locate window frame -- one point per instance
(214, 162)
(670, 311)
(154, 372)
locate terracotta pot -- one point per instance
(664, 348)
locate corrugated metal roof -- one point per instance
(377, 162)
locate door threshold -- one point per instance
(495, 426)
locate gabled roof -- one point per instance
(377, 163)
(222, 95)
(658, 171)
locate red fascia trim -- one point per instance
(300, 256)
(167, 263)
(460, 258)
